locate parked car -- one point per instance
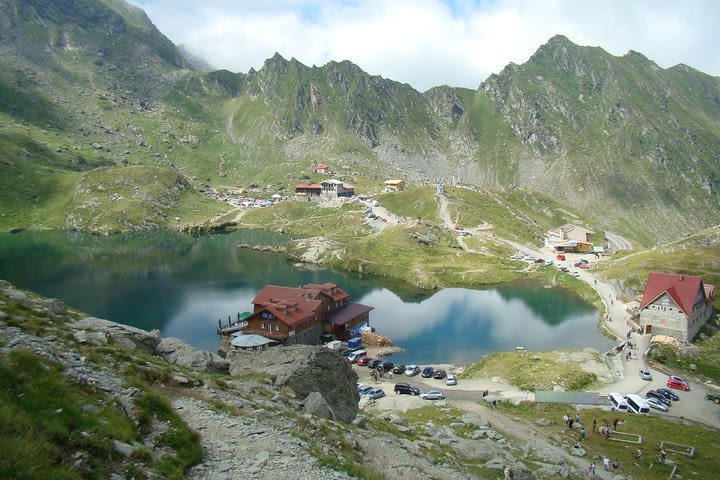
(363, 361)
(560, 257)
(373, 364)
(539, 260)
(677, 384)
(659, 396)
(679, 379)
(399, 369)
(450, 379)
(576, 274)
(584, 265)
(458, 227)
(668, 394)
(432, 395)
(645, 375)
(384, 219)
(713, 398)
(365, 390)
(376, 393)
(427, 372)
(388, 366)
(439, 374)
(371, 216)
(406, 389)
(656, 404)
(412, 370)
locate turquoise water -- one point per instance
(181, 285)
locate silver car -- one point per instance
(432, 395)
(654, 403)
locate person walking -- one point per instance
(606, 464)
(615, 465)
(663, 455)
(507, 471)
(582, 434)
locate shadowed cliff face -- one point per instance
(305, 369)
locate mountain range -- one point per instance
(92, 84)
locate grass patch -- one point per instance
(695, 255)
(531, 371)
(653, 429)
(42, 417)
(309, 219)
(418, 202)
(179, 437)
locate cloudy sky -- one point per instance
(433, 42)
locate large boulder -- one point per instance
(316, 405)
(174, 350)
(305, 369)
(124, 335)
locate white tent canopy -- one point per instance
(250, 341)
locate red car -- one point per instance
(677, 384)
(584, 265)
(362, 361)
(560, 257)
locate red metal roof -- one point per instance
(309, 186)
(322, 165)
(290, 305)
(681, 288)
(330, 290)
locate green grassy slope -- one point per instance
(698, 254)
(630, 145)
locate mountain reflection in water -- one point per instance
(182, 284)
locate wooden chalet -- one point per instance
(301, 315)
(308, 189)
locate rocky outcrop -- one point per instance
(176, 351)
(305, 369)
(125, 335)
(316, 405)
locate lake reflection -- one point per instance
(182, 285)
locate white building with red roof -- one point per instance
(322, 168)
(675, 305)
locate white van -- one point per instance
(353, 357)
(637, 404)
(618, 402)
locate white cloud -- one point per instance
(432, 42)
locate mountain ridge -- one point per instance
(577, 123)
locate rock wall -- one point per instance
(305, 369)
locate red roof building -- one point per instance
(322, 168)
(300, 315)
(675, 305)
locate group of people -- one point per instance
(380, 373)
(569, 420)
(614, 466)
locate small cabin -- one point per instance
(395, 185)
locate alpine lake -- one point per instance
(182, 284)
